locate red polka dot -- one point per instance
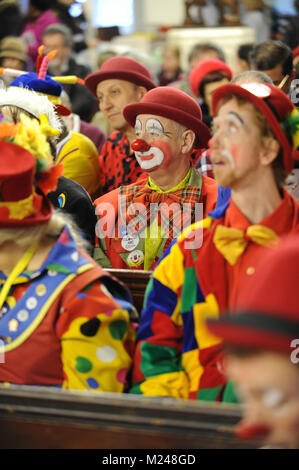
(121, 375)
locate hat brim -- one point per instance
(254, 331)
(62, 110)
(233, 89)
(202, 131)
(42, 216)
(92, 80)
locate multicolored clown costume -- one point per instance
(203, 274)
(63, 321)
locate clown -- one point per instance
(60, 324)
(261, 337)
(255, 133)
(167, 125)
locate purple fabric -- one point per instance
(33, 33)
(94, 133)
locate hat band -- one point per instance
(20, 209)
(54, 99)
(260, 321)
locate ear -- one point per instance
(188, 138)
(269, 151)
(141, 90)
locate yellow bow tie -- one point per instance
(232, 242)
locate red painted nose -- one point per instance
(245, 432)
(139, 145)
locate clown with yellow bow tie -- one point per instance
(252, 151)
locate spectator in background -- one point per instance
(243, 58)
(39, 17)
(198, 53)
(170, 67)
(59, 37)
(13, 54)
(205, 78)
(61, 10)
(289, 30)
(11, 18)
(276, 60)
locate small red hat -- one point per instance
(277, 108)
(122, 68)
(295, 52)
(25, 176)
(267, 313)
(203, 68)
(173, 104)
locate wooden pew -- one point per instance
(135, 280)
(32, 417)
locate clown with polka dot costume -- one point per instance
(64, 322)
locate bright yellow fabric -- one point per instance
(75, 345)
(181, 185)
(172, 384)
(20, 209)
(79, 157)
(203, 311)
(231, 242)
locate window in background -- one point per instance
(114, 13)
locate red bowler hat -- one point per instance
(203, 68)
(295, 52)
(173, 104)
(277, 108)
(122, 68)
(267, 313)
(25, 176)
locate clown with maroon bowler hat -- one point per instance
(60, 324)
(168, 124)
(252, 150)
(119, 82)
(261, 336)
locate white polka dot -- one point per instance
(106, 354)
(31, 303)
(52, 273)
(23, 315)
(75, 256)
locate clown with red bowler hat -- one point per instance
(261, 336)
(119, 82)
(60, 322)
(146, 216)
(252, 151)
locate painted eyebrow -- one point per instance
(150, 123)
(235, 117)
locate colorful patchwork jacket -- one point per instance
(118, 249)
(176, 356)
(66, 324)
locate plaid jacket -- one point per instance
(116, 250)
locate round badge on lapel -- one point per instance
(135, 258)
(129, 242)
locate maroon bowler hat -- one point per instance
(173, 104)
(121, 68)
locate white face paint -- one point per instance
(154, 156)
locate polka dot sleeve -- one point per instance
(97, 341)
